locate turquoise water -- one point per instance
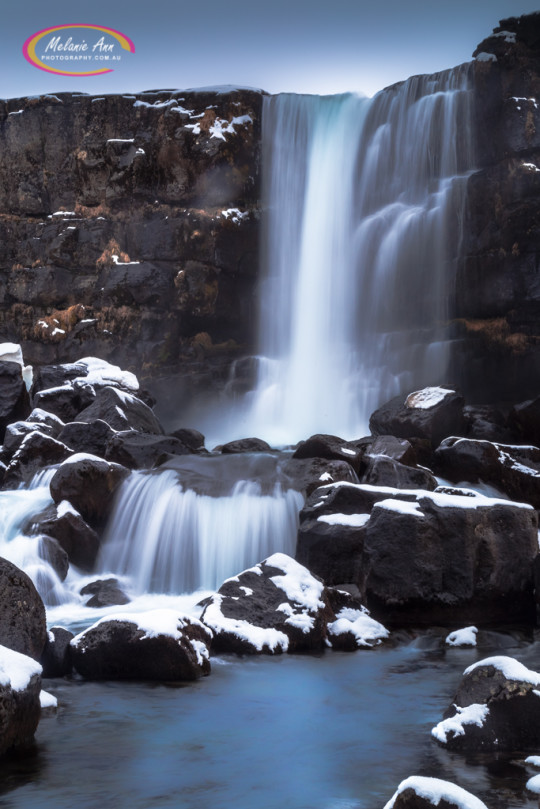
(338, 731)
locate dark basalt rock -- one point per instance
(91, 437)
(43, 417)
(192, 439)
(52, 552)
(245, 445)
(14, 400)
(383, 471)
(19, 713)
(55, 376)
(413, 794)
(56, 658)
(525, 419)
(122, 411)
(405, 418)
(16, 433)
(141, 450)
(66, 402)
(75, 537)
(330, 447)
(484, 422)
(308, 474)
(35, 453)
(334, 551)
(23, 625)
(105, 593)
(89, 484)
(118, 649)
(512, 469)
(508, 704)
(399, 449)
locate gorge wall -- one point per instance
(129, 229)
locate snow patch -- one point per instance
(427, 397)
(534, 761)
(65, 507)
(47, 700)
(462, 637)
(350, 520)
(475, 714)
(401, 507)
(154, 623)
(483, 56)
(297, 583)
(511, 668)
(256, 636)
(533, 784)
(366, 630)
(435, 790)
(235, 215)
(16, 670)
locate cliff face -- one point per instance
(498, 285)
(129, 229)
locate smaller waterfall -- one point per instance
(171, 539)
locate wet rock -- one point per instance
(308, 474)
(192, 439)
(383, 471)
(52, 552)
(91, 437)
(431, 413)
(330, 447)
(525, 419)
(79, 541)
(245, 445)
(36, 452)
(420, 792)
(122, 411)
(156, 645)
(23, 626)
(496, 707)
(67, 401)
(56, 657)
(16, 432)
(276, 606)
(89, 484)
(39, 416)
(485, 422)
(14, 401)
(105, 593)
(142, 451)
(512, 469)
(399, 449)
(20, 686)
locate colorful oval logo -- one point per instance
(77, 50)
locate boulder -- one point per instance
(307, 474)
(524, 418)
(14, 401)
(66, 401)
(142, 450)
(89, 484)
(39, 416)
(52, 552)
(399, 449)
(156, 645)
(20, 686)
(16, 433)
(23, 625)
(91, 437)
(122, 411)
(496, 707)
(73, 534)
(331, 546)
(485, 422)
(192, 439)
(354, 628)
(105, 593)
(383, 471)
(56, 657)
(330, 447)
(245, 445)
(431, 413)
(36, 451)
(514, 470)
(420, 792)
(276, 606)
(57, 376)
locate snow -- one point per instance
(346, 451)
(11, 352)
(351, 520)
(235, 214)
(483, 56)
(65, 507)
(121, 140)
(530, 166)
(101, 372)
(247, 590)
(534, 761)
(258, 637)
(366, 630)
(435, 790)
(42, 416)
(47, 700)
(302, 620)
(102, 98)
(58, 331)
(121, 413)
(510, 667)
(533, 784)
(297, 583)
(154, 623)
(427, 397)
(16, 670)
(326, 476)
(474, 714)
(509, 36)
(220, 126)
(401, 507)
(81, 456)
(523, 98)
(462, 637)
(116, 260)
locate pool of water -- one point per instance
(339, 731)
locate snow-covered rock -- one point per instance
(431, 413)
(20, 686)
(462, 637)
(355, 629)
(419, 792)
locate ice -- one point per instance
(351, 520)
(435, 790)
(16, 670)
(474, 714)
(462, 637)
(510, 667)
(427, 397)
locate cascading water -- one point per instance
(365, 201)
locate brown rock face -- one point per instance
(129, 229)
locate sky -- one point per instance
(322, 46)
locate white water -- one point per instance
(365, 205)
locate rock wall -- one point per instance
(129, 230)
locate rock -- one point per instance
(431, 413)
(16, 432)
(155, 645)
(36, 451)
(142, 451)
(105, 593)
(73, 534)
(399, 449)
(307, 474)
(330, 447)
(462, 637)
(91, 437)
(276, 606)
(20, 685)
(39, 416)
(23, 626)
(66, 401)
(525, 419)
(14, 401)
(245, 445)
(383, 471)
(89, 484)
(485, 422)
(496, 708)
(355, 629)
(52, 552)
(513, 470)
(420, 792)
(192, 439)
(56, 657)
(122, 411)
(57, 376)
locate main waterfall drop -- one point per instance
(365, 200)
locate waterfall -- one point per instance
(169, 537)
(364, 202)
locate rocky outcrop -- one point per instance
(23, 626)
(431, 413)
